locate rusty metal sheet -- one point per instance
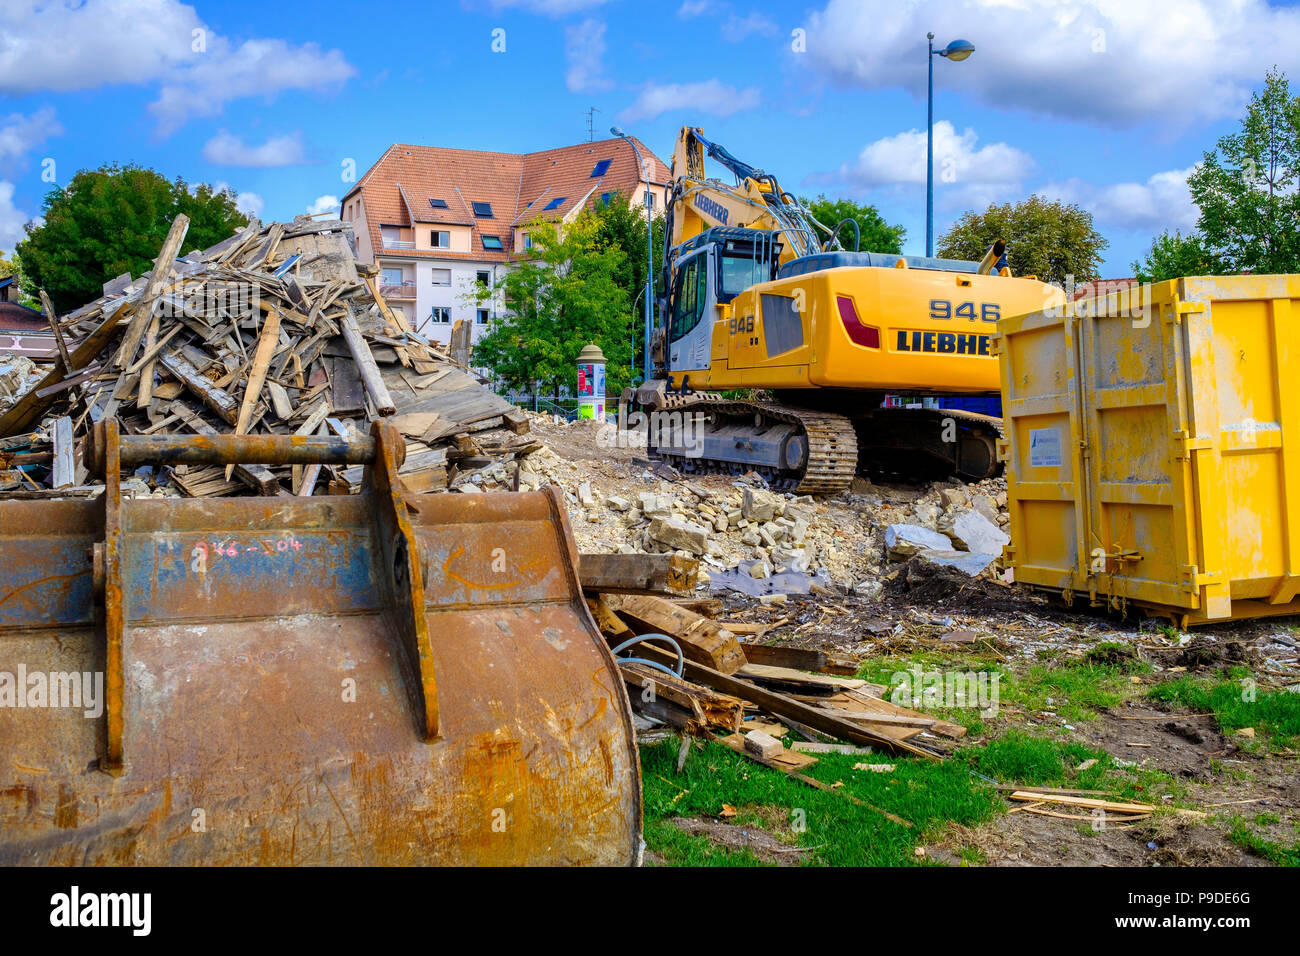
(280, 699)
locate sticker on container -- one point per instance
(1045, 447)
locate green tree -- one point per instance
(1051, 240)
(113, 220)
(876, 235)
(1245, 187)
(563, 297)
(1173, 255)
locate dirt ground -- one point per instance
(873, 608)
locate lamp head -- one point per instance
(617, 130)
(958, 50)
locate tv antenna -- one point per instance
(591, 125)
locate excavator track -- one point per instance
(831, 456)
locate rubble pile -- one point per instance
(276, 330)
(851, 540)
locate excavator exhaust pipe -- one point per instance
(381, 678)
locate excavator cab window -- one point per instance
(739, 271)
(690, 293)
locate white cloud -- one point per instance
(323, 204)
(254, 68)
(250, 204)
(1162, 202)
(62, 47)
(12, 219)
(549, 8)
(1097, 61)
(19, 134)
(584, 51)
(964, 172)
(227, 149)
(696, 8)
(711, 96)
(737, 28)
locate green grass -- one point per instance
(1077, 689)
(1275, 715)
(836, 831)
(1241, 834)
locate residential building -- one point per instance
(440, 221)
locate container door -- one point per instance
(1140, 529)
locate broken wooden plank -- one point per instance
(702, 640)
(366, 367)
(638, 573)
(218, 399)
(708, 709)
(52, 318)
(65, 462)
(142, 314)
(782, 706)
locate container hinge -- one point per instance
(1189, 443)
(1183, 308)
(1194, 578)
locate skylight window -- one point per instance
(492, 243)
(602, 167)
(438, 203)
(605, 198)
(555, 203)
(483, 210)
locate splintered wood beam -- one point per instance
(702, 640)
(65, 461)
(369, 371)
(142, 314)
(145, 394)
(638, 573)
(266, 344)
(52, 318)
(218, 399)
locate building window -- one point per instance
(649, 199)
(528, 241)
(392, 277)
(605, 198)
(442, 277)
(484, 277)
(492, 243)
(439, 239)
(602, 167)
(482, 317)
(483, 210)
(441, 315)
(555, 203)
(438, 203)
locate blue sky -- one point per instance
(1102, 103)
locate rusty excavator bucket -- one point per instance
(380, 678)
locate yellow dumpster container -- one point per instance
(1152, 447)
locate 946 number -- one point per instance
(943, 309)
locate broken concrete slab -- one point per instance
(972, 531)
(904, 540)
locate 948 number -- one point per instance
(943, 309)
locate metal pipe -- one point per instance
(242, 450)
(929, 151)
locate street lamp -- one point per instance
(649, 253)
(956, 50)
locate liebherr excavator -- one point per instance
(755, 298)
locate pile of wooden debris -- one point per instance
(278, 330)
(745, 694)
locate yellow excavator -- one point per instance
(759, 295)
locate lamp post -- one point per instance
(956, 50)
(649, 252)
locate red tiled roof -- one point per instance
(397, 189)
(1088, 290)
